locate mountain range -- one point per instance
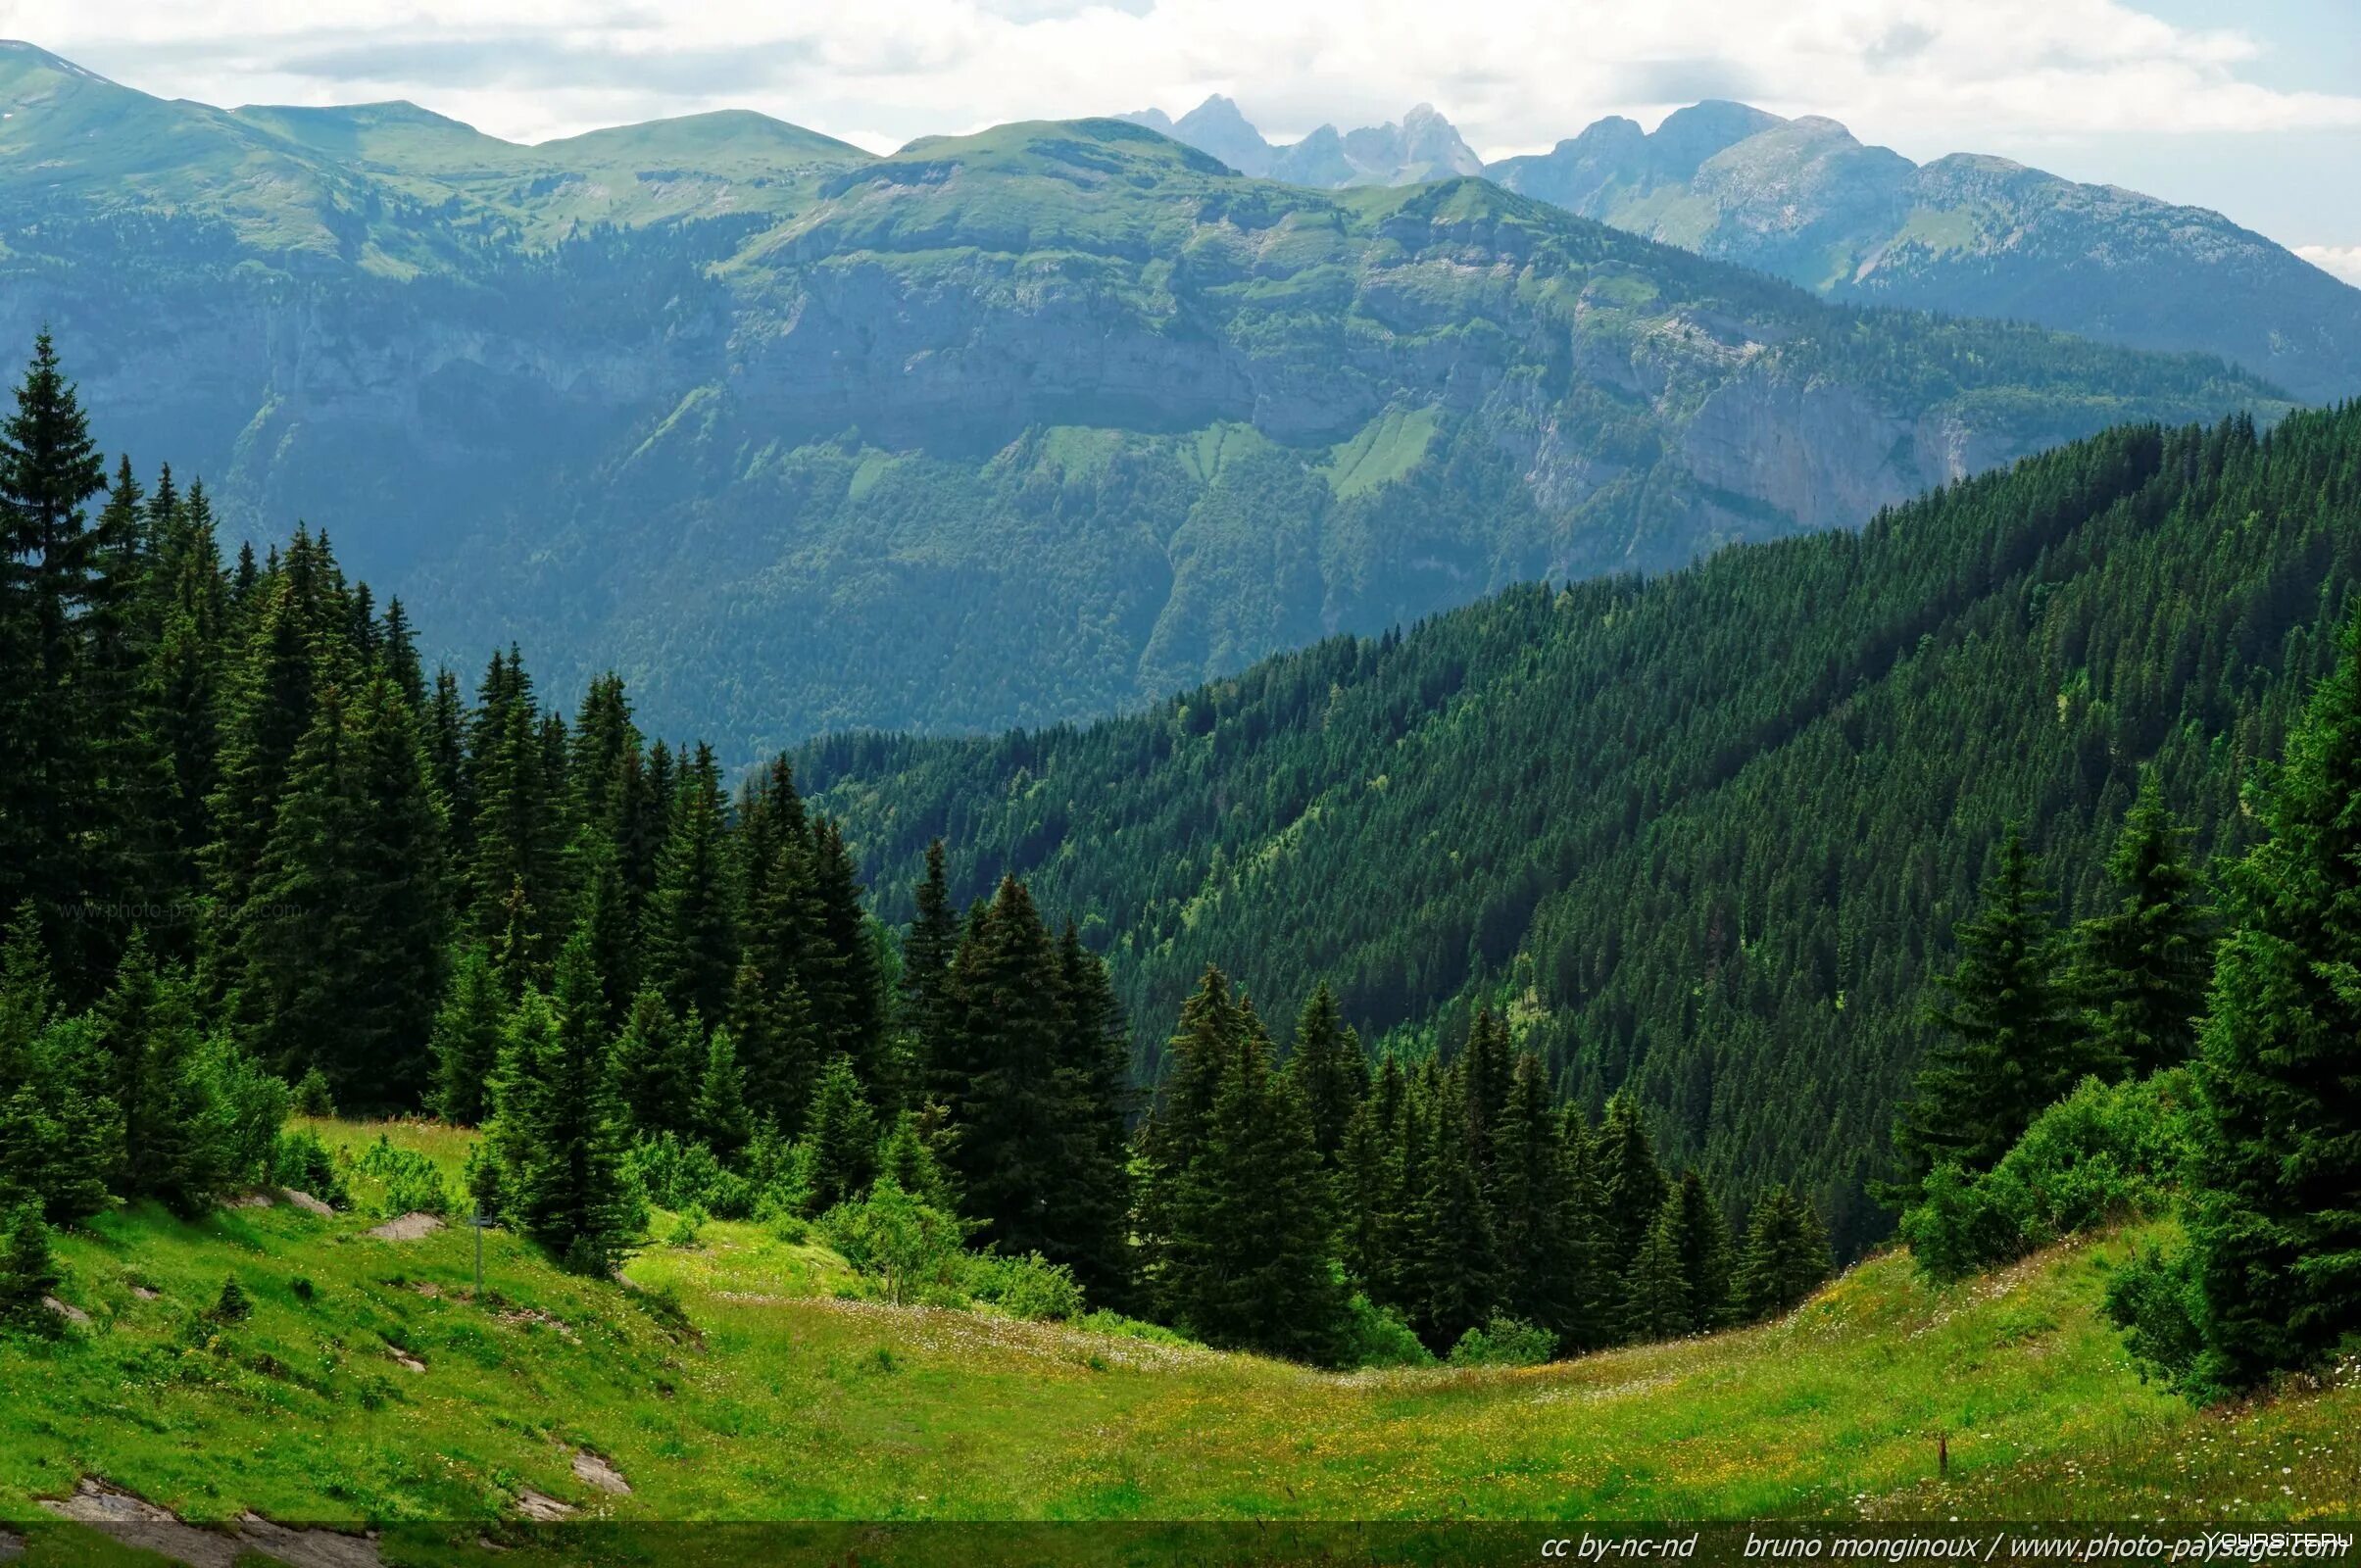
(1967, 235)
(1018, 427)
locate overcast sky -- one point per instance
(2253, 108)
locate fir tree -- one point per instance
(2009, 1045)
(927, 949)
(722, 1119)
(690, 946)
(174, 1138)
(2143, 966)
(467, 1036)
(570, 1193)
(1657, 1297)
(1329, 1068)
(1456, 1232)
(1251, 1263)
(839, 1137)
(28, 1276)
(1632, 1184)
(658, 1065)
(1544, 1278)
(1784, 1258)
(2276, 1235)
(1702, 1243)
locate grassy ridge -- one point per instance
(731, 1383)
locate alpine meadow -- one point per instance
(1108, 842)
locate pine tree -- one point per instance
(1701, 1244)
(1091, 1213)
(2010, 1045)
(467, 1036)
(906, 1156)
(1656, 1300)
(181, 693)
(656, 1077)
(518, 834)
(1329, 1068)
(2143, 966)
(848, 999)
(1541, 1260)
(2275, 1233)
(49, 469)
(777, 1044)
(927, 949)
(840, 1135)
(392, 976)
(722, 1119)
(1784, 1258)
(28, 1275)
(690, 945)
(1455, 1227)
(1251, 1261)
(571, 1194)
(1632, 1184)
(1368, 1181)
(174, 1138)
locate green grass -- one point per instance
(729, 1381)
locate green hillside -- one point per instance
(1707, 834)
(800, 439)
(733, 1380)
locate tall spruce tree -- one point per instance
(1329, 1068)
(2009, 1043)
(2142, 967)
(840, 1138)
(49, 470)
(1784, 1258)
(689, 948)
(570, 1193)
(466, 1039)
(1702, 1243)
(1251, 1261)
(2275, 1231)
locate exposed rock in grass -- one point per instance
(407, 1228)
(67, 1312)
(12, 1546)
(305, 1201)
(131, 1520)
(144, 1294)
(527, 1317)
(248, 1201)
(407, 1361)
(135, 1522)
(600, 1473)
(306, 1548)
(542, 1508)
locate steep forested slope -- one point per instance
(1015, 427)
(1704, 834)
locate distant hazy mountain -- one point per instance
(1965, 234)
(1423, 147)
(1005, 428)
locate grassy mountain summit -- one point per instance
(1022, 426)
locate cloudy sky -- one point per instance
(2253, 108)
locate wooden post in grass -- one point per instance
(1942, 1444)
(478, 1221)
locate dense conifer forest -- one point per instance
(1767, 832)
(1700, 838)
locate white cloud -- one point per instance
(1926, 75)
(2341, 261)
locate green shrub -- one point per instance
(1504, 1342)
(680, 1174)
(1377, 1336)
(303, 1162)
(1029, 1287)
(1099, 1320)
(312, 1096)
(2155, 1300)
(687, 1228)
(409, 1182)
(2106, 1151)
(907, 1250)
